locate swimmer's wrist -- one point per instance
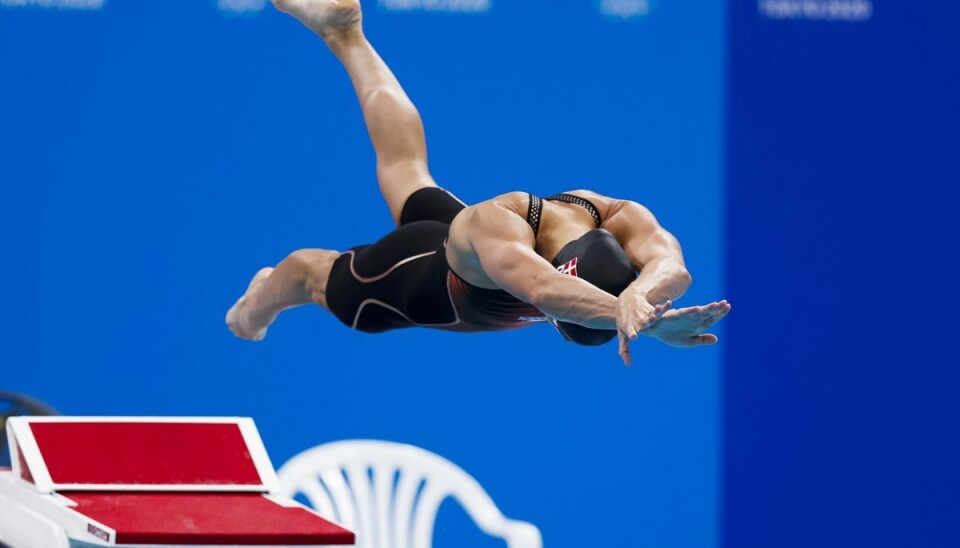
(637, 292)
(653, 295)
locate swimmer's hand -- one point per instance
(634, 315)
(687, 327)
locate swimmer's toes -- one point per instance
(233, 318)
(234, 323)
(234, 315)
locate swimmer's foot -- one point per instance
(685, 327)
(328, 18)
(238, 317)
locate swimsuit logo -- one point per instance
(98, 532)
(569, 268)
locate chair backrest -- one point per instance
(14, 405)
(389, 493)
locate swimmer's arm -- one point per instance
(652, 250)
(505, 245)
(663, 275)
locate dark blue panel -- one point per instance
(842, 386)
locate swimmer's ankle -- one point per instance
(339, 40)
(341, 45)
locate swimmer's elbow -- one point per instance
(681, 283)
(669, 281)
(684, 279)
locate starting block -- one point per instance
(99, 481)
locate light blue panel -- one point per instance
(154, 155)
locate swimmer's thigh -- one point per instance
(399, 281)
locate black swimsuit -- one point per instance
(403, 280)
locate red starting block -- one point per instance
(158, 481)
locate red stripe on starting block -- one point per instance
(145, 453)
(206, 518)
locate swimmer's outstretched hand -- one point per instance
(683, 327)
(686, 327)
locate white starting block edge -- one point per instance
(21, 441)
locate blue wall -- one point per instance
(841, 387)
(154, 155)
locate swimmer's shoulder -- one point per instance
(605, 204)
(516, 202)
(488, 218)
(477, 224)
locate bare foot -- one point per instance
(688, 326)
(324, 17)
(237, 318)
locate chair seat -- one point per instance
(205, 519)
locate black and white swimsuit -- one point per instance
(404, 280)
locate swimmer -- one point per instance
(515, 260)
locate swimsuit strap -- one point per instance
(533, 213)
(582, 202)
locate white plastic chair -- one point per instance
(389, 493)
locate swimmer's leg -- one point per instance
(393, 122)
(299, 279)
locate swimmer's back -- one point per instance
(559, 223)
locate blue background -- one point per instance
(155, 155)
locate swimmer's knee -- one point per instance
(380, 94)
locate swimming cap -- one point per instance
(595, 257)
